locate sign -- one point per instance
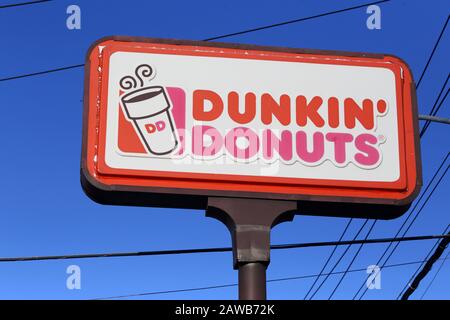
(169, 123)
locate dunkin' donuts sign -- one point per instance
(192, 118)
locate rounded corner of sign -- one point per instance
(409, 195)
(399, 62)
(415, 191)
(91, 182)
(96, 45)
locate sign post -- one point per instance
(253, 135)
(250, 222)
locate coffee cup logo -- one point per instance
(148, 108)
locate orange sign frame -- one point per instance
(178, 189)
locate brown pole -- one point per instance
(250, 222)
(252, 281)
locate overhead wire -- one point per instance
(411, 287)
(435, 276)
(211, 38)
(213, 250)
(235, 284)
(417, 214)
(339, 260)
(427, 257)
(352, 261)
(434, 111)
(436, 44)
(328, 259)
(5, 6)
(424, 117)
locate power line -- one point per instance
(253, 30)
(426, 268)
(328, 259)
(268, 281)
(431, 113)
(427, 257)
(41, 72)
(233, 34)
(208, 39)
(339, 260)
(223, 249)
(396, 246)
(23, 4)
(428, 118)
(406, 220)
(420, 210)
(432, 52)
(430, 252)
(435, 276)
(169, 291)
(427, 124)
(293, 21)
(352, 261)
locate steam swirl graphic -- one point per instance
(142, 72)
(128, 82)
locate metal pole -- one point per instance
(252, 281)
(250, 222)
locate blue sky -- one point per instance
(44, 211)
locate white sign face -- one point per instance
(266, 118)
(284, 124)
